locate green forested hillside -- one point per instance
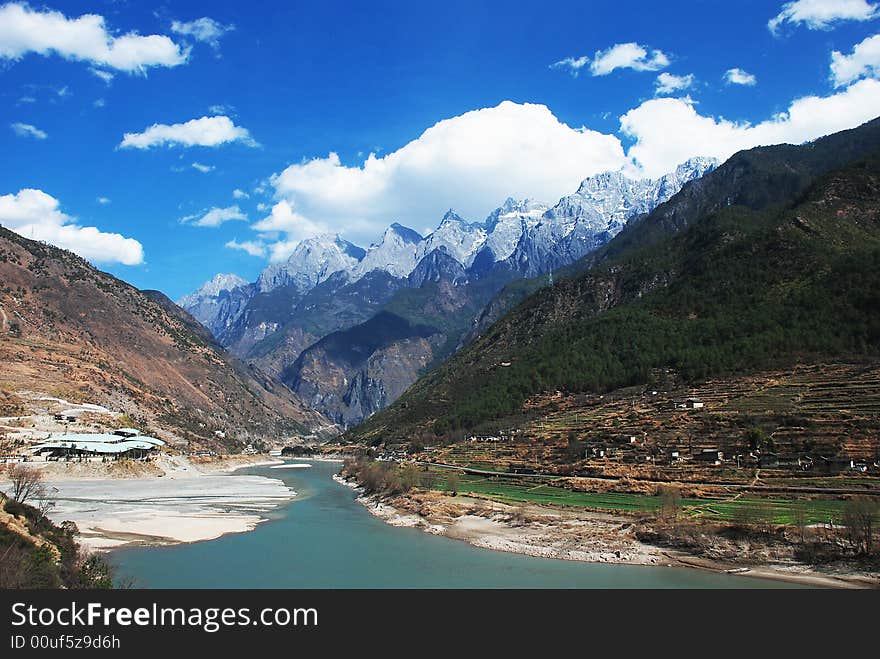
(772, 259)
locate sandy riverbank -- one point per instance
(569, 535)
(169, 501)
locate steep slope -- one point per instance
(356, 372)
(596, 213)
(771, 260)
(470, 264)
(418, 327)
(69, 330)
(277, 326)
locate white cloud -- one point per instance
(106, 76)
(103, 200)
(252, 247)
(473, 161)
(206, 131)
(740, 77)
(627, 56)
(864, 61)
(668, 83)
(667, 131)
(619, 56)
(285, 220)
(27, 130)
(36, 215)
(573, 64)
(99, 102)
(822, 14)
(214, 217)
(222, 109)
(240, 194)
(204, 29)
(86, 38)
(204, 169)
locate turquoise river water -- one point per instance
(325, 539)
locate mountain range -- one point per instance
(287, 321)
(769, 261)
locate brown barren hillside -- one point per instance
(72, 331)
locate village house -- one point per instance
(709, 456)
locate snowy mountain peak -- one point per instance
(313, 260)
(212, 288)
(461, 239)
(700, 165)
(452, 216)
(405, 233)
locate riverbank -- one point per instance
(567, 534)
(169, 501)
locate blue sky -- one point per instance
(297, 82)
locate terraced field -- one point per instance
(733, 508)
(828, 412)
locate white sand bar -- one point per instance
(296, 465)
(167, 510)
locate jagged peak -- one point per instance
(452, 216)
(407, 234)
(216, 285)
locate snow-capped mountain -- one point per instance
(461, 239)
(219, 302)
(522, 238)
(601, 207)
(210, 289)
(397, 253)
(312, 262)
(507, 224)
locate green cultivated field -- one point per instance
(523, 490)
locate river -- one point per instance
(325, 539)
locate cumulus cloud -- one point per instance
(740, 77)
(37, 215)
(24, 30)
(473, 161)
(822, 14)
(667, 131)
(252, 247)
(204, 169)
(240, 194)
(27, 130)
(204, 29)
(206, 131)
(628, 56)
(214, 217)
(103, 200)
(619, 56)
(668, 83)
(864, 61)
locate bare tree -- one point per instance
(453, 482)
(13, 567)
(27, 483)
(670, 501)
(801, 518)
(859, 517)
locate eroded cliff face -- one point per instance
(348, 392)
